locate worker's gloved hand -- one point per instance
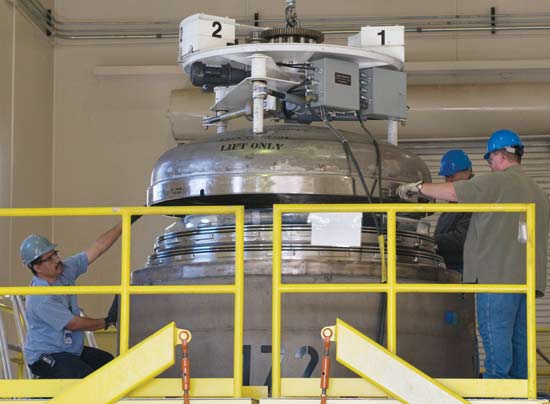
(409, 192)
(112, 316)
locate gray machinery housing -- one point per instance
(383, 93)
(335, 84)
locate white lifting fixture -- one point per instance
(288, 74)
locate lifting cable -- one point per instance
(382, 306)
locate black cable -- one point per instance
(378, 154)
(383, 302)
(302, 66)
(296, 86)
(350, 156)
(382, 305)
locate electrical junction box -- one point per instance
(203, 31)
(383, 93)
(335, 84)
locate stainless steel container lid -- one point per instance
(286, 164)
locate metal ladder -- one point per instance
(16, 308)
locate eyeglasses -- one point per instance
(55, 254)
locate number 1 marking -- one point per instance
(382, 37)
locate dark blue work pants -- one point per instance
(69, 366)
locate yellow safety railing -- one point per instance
(392, 287)
(125, 289)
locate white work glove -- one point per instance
(409, 192)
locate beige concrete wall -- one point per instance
(26, 101)
(32, 132)
(26, 111)
(109, 131)
(6, 45)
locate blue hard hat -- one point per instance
(454, 161)
(33, 247)
(501, 139)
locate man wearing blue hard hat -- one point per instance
(452, 227)
(495, 253)
(54, 347)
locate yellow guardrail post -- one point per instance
(531, 304)
(392, 280)
(276, 304)
(124, 327)
(239, 304)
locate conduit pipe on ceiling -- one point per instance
(116, 29)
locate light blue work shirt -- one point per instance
(47, 315)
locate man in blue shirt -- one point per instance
(54, 348)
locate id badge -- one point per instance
(68, 337)
(522, 229)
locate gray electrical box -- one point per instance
(335, 84)
(383, 93)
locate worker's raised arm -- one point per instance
(444, 191)
(103, 243)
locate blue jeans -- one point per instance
(501, 319)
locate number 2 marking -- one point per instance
(218, 26)
(382, 37)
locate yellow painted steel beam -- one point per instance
(352, 400)
(159, 387)
(531, 304)
(59, 290)
(276, 302)
(153, 401)
(332, 288)
(391, 307)
(124, 322)
(34, 212)
(387, 371)
(358, 387)
(119, 211)
(112, 289)
(183, 289)
(403, 207)
(458, 288)
(402, 288)
(238, 326)
(114, 380)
